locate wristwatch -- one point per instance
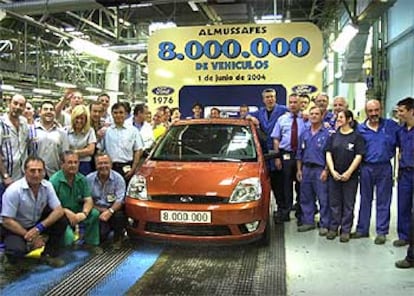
(111, 210)
(6, 175)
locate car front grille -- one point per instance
(190, 199)
(193, 230)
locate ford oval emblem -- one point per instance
(186, 199)
(162, 90)
(304, 89)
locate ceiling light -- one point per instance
(92, 49)
(65, 85)
(140, 5)
(42, 91)
(7, 87)
(2, 14)
(344, 38)
(94, 89)
(157, 26)
(193, 5)
(269, 19)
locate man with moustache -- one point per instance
(14, 141)
(312, 172)
(51, 140)
(380, 137)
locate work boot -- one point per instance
(306, 227)
(400, 243)
(331, 234)
(323, 231)
(52, 261)
(344, 238)
(380, 239)
(404, 264)
(359, 235)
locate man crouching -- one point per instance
(31, 208)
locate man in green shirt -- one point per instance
(75, 196)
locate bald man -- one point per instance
(380, 137)
(339, 104)
(14, 141)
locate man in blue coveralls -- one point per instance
(380, 137)
(266, 118)
(312, 173)
(406, 182)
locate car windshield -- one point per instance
(207, 142)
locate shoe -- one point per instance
(331, 234)
(94, 250)
(306, 227)
(359, 235)
(52, 261)
(404, 264)
(380, 239)
(323, 231)
(400, 243)
(344, 238)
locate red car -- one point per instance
(206, 180)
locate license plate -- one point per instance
(186, 216)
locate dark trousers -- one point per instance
(342, 200)
(117, 223)
(410, 251)
(276, 182)
(119, 167)
(17, 246)
(405, 202)
(312, 189)
(377, 176)
(289, 170)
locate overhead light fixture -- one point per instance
(193, 5)
(344, 38)
(92, 49)
(42, 91)
(140, 5)
(65, 85)
(2, 14)
(157, 26)
(7, 87)
(94, 89)
(269, 19)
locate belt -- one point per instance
(408, 169)
(312, 165)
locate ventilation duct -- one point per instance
(367, 13)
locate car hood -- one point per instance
(206, 178)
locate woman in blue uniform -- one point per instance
(344, 154)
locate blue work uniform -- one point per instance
(312, 151)
(343, 148)
(405, 181)
(267, 123)
(376, 171)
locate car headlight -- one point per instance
(137, 188)
(247, 190)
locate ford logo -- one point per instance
(186, 199)
(162, 90)
(304, 89)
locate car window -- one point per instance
(207, 142)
